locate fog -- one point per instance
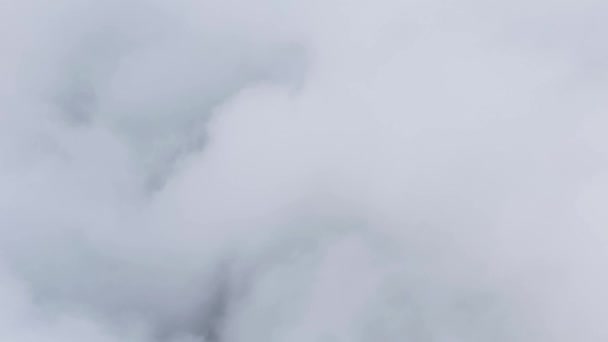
(244, 171)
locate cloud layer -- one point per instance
(228, 171)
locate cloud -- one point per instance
(295, 171)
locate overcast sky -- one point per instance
(303, 171)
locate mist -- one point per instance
(244, 171)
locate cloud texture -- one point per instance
(244, 171)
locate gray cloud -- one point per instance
(227, 171)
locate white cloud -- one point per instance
(301, 171)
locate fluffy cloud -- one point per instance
(302, 171)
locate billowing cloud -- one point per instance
(228, 171)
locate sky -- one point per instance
(298, 171)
